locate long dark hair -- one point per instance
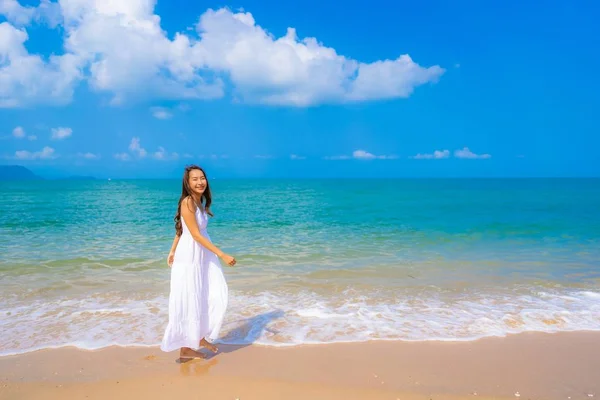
(205, 200)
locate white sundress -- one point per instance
(198, 297)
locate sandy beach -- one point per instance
(528, 366)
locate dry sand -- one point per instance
(525, 366)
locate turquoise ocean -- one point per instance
(83, 263)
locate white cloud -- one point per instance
(122, 156)
(44, 154)
(130, 56)
(299, 72)
(163, 155)
(263, 157)
(27, 79)
(214, 156)
(441, 154)
(120, 49)
(466, 153)
(15, 13)
(365, 155)
(134, 147)
(297, 157)
(137, 151)
(362, 155)
(89, 156)
(161, 113)
(31, 137)
(61, 133)
(438, 154)
(19, 132)
(187, 155)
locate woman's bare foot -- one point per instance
(208, 345)
(186, 353)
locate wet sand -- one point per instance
(525, 366)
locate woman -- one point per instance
(198, 297)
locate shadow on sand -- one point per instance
(247, 333)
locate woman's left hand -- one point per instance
(228, 259)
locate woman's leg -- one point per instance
(186, 352)
(208, 345)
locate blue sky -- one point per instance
(493, 89)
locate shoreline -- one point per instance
(528, 365)
(296, 345)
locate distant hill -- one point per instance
(16, 173)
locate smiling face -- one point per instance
(194, 183)
(197, 182)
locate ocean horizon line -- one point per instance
(300, 178)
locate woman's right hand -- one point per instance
(228, 259)
(170, 259)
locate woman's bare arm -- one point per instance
(175, 242)
(188, 209)
(171, 256)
